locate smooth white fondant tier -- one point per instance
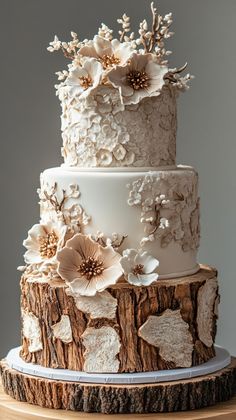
(99, 131)
(125, 203)
(221, 360)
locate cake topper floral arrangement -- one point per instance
(136, 67)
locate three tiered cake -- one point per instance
(111, 283)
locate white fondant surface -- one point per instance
(104, 197)
(220, 361)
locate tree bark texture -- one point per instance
(188, 394)
(48, 302)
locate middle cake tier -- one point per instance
(155, 210)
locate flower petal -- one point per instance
(83, 286)
(133, 279)
(102, 46)
(109, 277)
(32, 257)
(89, 50)
(108, 255)
(84, 245)
(150, 263)
(69, 261)
(147, 279)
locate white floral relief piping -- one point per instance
(118, 97)
(98, 131)
(169, 208)
(60, 206)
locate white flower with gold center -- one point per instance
(82, 80)
(139, 267)
(88, 267)
(43, 242)
(109, 53)
(141, 77)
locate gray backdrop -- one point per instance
(30, 126)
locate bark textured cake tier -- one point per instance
(169, 324)
(111, 281)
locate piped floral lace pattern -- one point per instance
(99, 131)
(61, 206)
(169, 207)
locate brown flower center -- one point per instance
(109, 60)
(138, 79)
(48, 245)
(91, 268)
(138, 269)
(85, 82)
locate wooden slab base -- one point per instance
(188, 394)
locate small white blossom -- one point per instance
(139, 267)
(55, 45)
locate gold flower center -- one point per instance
(138, 79)
(138, 269)
(85, 82)
(91, 268)
(48, 245)
(109, 60)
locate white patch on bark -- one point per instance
(62, 330)
(32, 331)
(102, 346)
(216, 306)
(207, 296)
(102, 305)
(170, 333)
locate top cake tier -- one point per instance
(101, 132)
(118, 97)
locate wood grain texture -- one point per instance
(188, 394)
(49, 301)
(11, 409)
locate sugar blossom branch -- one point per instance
(112, 53)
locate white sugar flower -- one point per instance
(104, 157)
(87, 267)
(119, 152)
(139, 267)
(55, 45)
(109, 53)
(141, 77)
(43, 242)
(82, 80)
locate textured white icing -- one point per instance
(106, 198)
(207, 303)
(169, 207)
(102, 346)
(102, 305)
(99, 131)
(32, 331)
(170, 333)
(62, 329)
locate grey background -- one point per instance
(30, 126)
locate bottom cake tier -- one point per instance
(169, 324)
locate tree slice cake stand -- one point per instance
(138, 393)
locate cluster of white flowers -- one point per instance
(130, 65)
(60, 206)
(69, 48)
(126, 28)
(99, 131)
(169, 216)
(105, 32)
